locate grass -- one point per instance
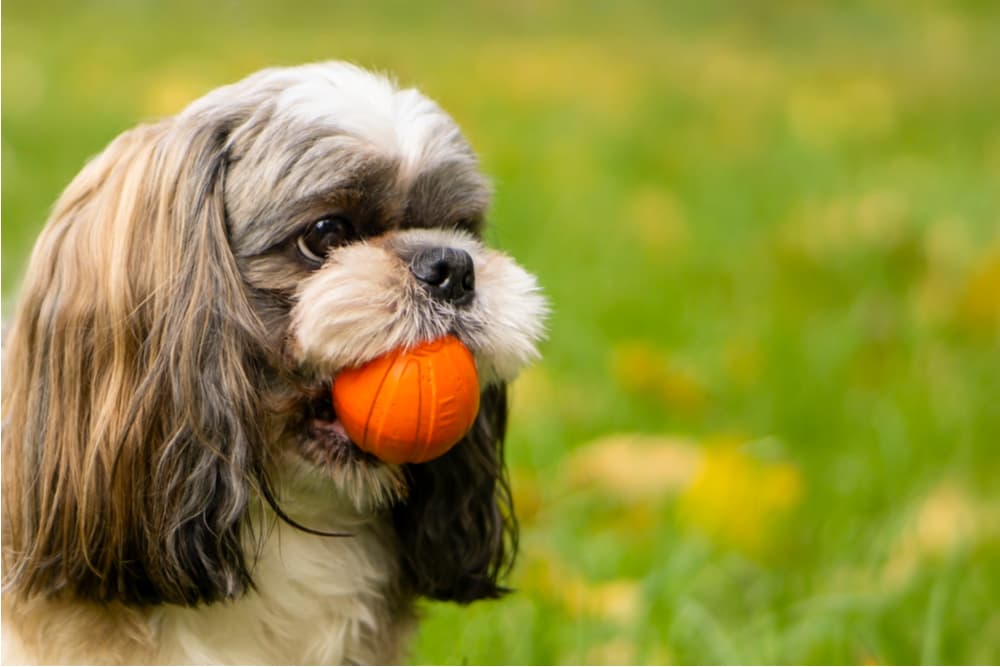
(766, 425)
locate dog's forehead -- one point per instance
(316, 130)
(400, 123)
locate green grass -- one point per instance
(770, 232)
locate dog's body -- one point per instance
(318, 601)
(176, 487)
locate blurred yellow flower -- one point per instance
(550, 73)
(824, 113)
(528, 499)
(640, 367)
(634, 466)
(731, 69)
(655, 216)
(742, 360)
(948, 249)
(945, 521)
(618, 651)
(170, 92)
(555, 580)
(818, 228)
(740, 501)
(979, 304)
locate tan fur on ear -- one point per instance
(125, 477)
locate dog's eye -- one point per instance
(324, 234)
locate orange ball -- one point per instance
(410, 406)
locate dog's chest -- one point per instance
(318, 601)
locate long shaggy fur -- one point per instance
(174, 489)
(133, 491)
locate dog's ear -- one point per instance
(130, 449)
(457, 529)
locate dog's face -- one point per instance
(199, 287)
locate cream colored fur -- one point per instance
(318, 601)
(364, 304)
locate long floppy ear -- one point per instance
(130, 450)
(457, 530)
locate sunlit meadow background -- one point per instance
(767, 422)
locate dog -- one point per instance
(176, 485)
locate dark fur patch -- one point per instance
(457, 530)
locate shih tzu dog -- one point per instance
(176, 485)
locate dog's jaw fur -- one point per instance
(216, 578)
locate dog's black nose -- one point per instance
(446, 273)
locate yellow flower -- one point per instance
(740, 501)
(640, 368)
(978, 307)
(634, 466)
(656, 217)
(171, 91)
(945, 521)
(617, 600)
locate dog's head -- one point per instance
(198, 287)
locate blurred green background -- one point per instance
(767, 421)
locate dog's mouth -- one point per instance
(325, 439)
(323, 445)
